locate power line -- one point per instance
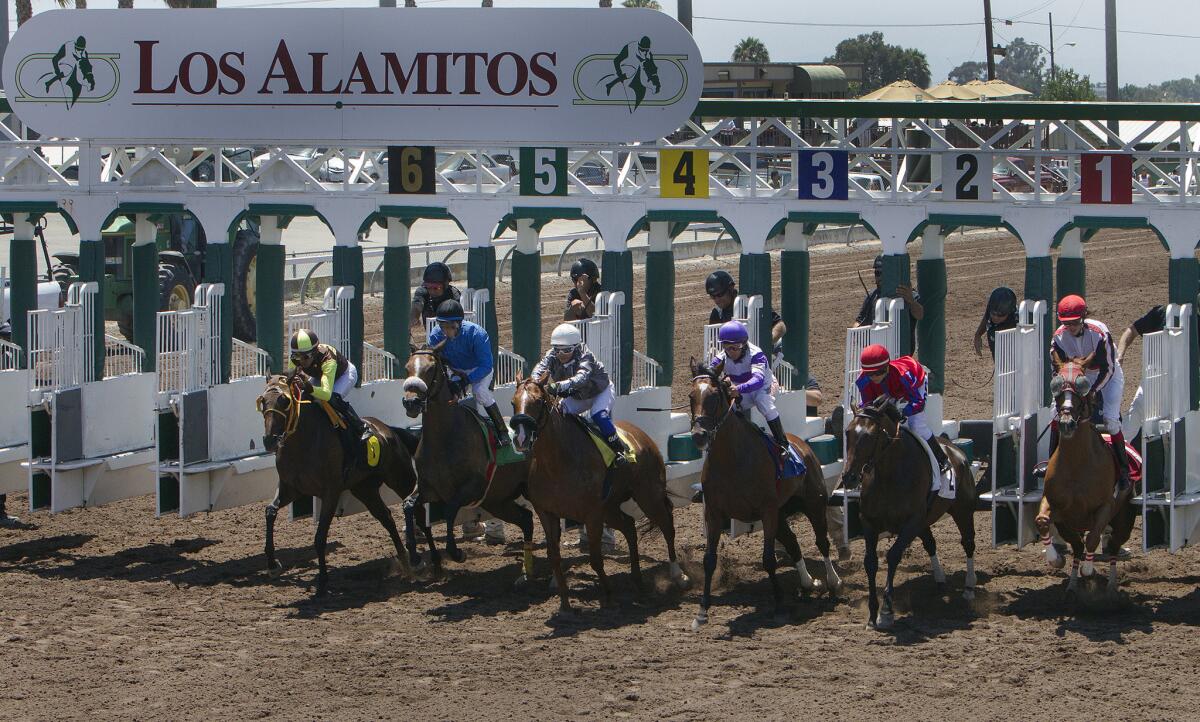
(1149, 33)
(839, 25)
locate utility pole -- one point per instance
(3, 38)
(1052, 71)
(1110, 50)
(987, 31)
(685, 14)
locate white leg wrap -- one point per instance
(832, 580)
(939, 575)
(806, 580)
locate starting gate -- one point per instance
(91, 440)
(1171, 489)
(1019, 420)
(14, 427)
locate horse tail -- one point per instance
(409, 439)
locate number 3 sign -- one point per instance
(1106, 178)
(823, 175)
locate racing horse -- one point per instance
(1078, 496)
(567, 480)
(739, 482)
(308, 457)
(896, 479)
(453, 460)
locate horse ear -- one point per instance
(542, 379)
(695, 369)
(720, 368)
(520, 375)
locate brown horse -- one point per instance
(452, 460)
(738, 478)
(308, 457)
(1078, 497)
(567, 480)
(893, 470)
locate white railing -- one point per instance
(508, 365)
(602, 332)
(56, 342)
(882, 331)
(1020, 356)
(378, 365)
(182, 351)
(83, 296)
(248, 360)
(327, 322)
(343, 303)
(10, 356)
(785, 375)
(1165, 368)
(645, 371)
(121, 357)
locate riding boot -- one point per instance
(497, 418)
(1118, 446)
(1039, 471)
(938, 453)
(352, 436)
(355, 423)
(614, 442)
(785, 447)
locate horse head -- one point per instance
(709, 400)
(1073, 399)
(280, 409)
(873, 428)
(532, 404)
(427, 377)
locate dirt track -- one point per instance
(112, 613)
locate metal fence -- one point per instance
(645, 371)
(508, 365)
(326, 322)
(10, 356)
(602, 332)
(248, 360)
(189, 343)
(378, 365)
(56, 342)
(121, 357)
(1165, 367)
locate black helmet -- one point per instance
(1003, 300)
(449, 310)
(582, 266)
(878, 263)
(437, 272)
(718, 282)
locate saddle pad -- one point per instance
(497, 455)
(334, 417)
(606, 453)
(935, 471)
(1133, 458)
(786, 466)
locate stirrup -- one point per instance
(1039, 470)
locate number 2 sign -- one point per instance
(966, 176)
(823, 175)
(1106, 178)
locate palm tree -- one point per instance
(751, 50)
(649, 4)
(24, 11)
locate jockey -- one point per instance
(331, 376)
(903, 380)
(1088, 342)
(435, 288)
(468, 352)
(581, 381)
(748, 368)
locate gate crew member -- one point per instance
(721, 289)
(331, 376)
(912, 301)
(747, 367)
(1154, 320)
(904, 381)
(435, 289)
(1087, 341)
(581, 299)
(581, 381)
(468, 352)
(1000, 315)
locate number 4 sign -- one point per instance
(823, 175)
(1106, 178)
(683, 173)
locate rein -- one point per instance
(440, 377)
(720, 390)
(289, 390)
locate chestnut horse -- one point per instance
(308, 457)
(567, 480)
(452, 460)
(738, 478)
(1078, 497)
(893, 470)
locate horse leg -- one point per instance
(617, 519)
(1042, 522)
(815, 508)
(412, 505)
(553, 533)
(450, 509)
(785, 536)
(1072, 538)
(1091, 542)
(871, 566)
(284, 495)
(328, 509)
(1122, 528)
(368, 494)
(595, 532)
(514, 513)
(939, 576)
(713, 524)
(770, 522)
(657, 507)
(964, 519)
(896, 553)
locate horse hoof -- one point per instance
(1087, 569)
(969, 594)
(457, 555)
(699, 622)
(885, 622)
(521, 583)
(274, 569)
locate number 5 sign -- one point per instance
(543, 171)
(1106, 178)
(683, 173)
(966, 176)
(823, 175)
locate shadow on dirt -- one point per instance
(22, 554)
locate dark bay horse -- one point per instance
(308, 457)
(893, 470)
(1078, 496)
(452, 460)
(738, 478)
(567, 478)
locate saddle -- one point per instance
(497, 455)
(935, 470)
(786, 466)
(606, 453)
(1133, 458)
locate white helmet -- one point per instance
(565, 334)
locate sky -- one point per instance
(1153, 32)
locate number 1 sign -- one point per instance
(1106, 178)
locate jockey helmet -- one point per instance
(582, 266)
(1072, 308)
(1002, 301)
(733, 332)
(565, 335)
(874, 358)
(437, 272)
(717, 283)
(303, 341)
(449, 310)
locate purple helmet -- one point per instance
(733, 332)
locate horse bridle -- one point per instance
(717, 422)
(288, 388)
(549, 404)
(886, 440)
(440, 376)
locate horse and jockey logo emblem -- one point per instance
(69, 75)
(634, 77)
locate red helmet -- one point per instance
(874, 357)
(1071, 308)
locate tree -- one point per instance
(968, 71)
(751, 50)
(1023, 66)
(649, 4)
(605, 3)
(1068, 85)
(882, 63)
(24, 11)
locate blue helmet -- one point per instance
(733, 332)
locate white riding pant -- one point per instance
(1111, 394)
(919, 424)
(479, 389)
(1135, 415)
(342, 384)
(602, 401)
(761, 400)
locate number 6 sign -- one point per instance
(1106, 178)
(823, 175)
